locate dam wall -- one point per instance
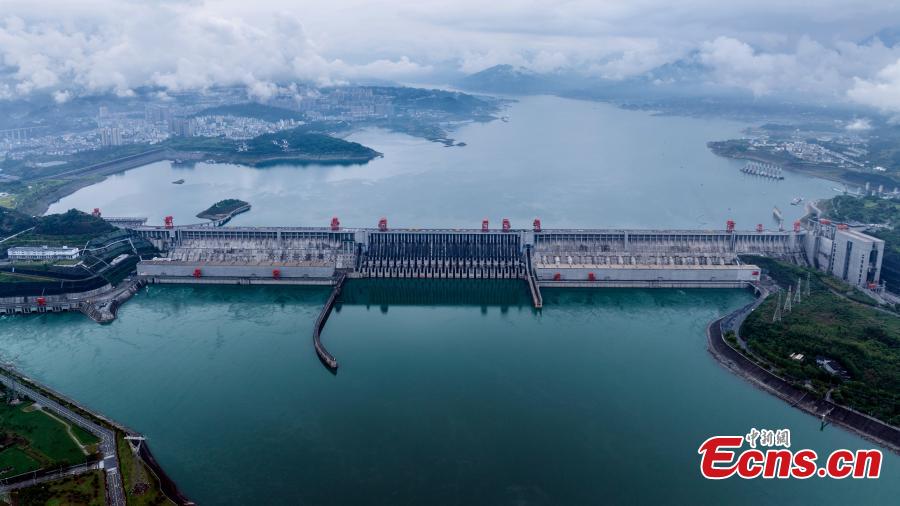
(593, 257)
(732, 275)
(442, 254)
(181, 269)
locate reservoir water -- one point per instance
(572, 163)
(465, 398)
(454, 393)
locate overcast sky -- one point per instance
(768, 47)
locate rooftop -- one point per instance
(42, 249)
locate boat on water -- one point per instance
(179, 181)
(777, 214)
(796, 201)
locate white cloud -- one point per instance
(176, 46)
(858, 125)
(881, 91)
(809, 69)
(764, 46)
(61, 96)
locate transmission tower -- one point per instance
(787, 301)
(777, 316)
(797, 293)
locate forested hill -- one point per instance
(72, 222)
(294, 144)
(298, 141)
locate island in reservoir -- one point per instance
(224, 209)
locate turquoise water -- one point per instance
(467, 398)
(451, 393)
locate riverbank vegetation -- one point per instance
(69, 223)
(31, 439)
(72, 228)
(108, 254)
(141, 486)
(86, 489)
(862, 339)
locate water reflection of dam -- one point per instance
(448, 292)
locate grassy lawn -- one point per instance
(45, 440)
(84, 490)
(14, 461)
(862, 339)
(141, 487)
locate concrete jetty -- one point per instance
(327, 359)
(536, 299)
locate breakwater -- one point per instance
(327, 359)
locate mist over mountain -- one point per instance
(847, 53)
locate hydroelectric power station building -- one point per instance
(562, 257)
(550, 257)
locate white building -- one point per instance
(847, 254)
(110, 137)
(42, 253)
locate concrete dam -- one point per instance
(548, 257)
(564, 257)
(588, 258)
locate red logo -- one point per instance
(721, 457)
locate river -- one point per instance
(448, 394)
(569, 162)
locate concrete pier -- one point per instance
(533, 286)
(327, 359)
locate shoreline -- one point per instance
(806, 170)
(95, 174)
(114, 430)
(865, 426)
